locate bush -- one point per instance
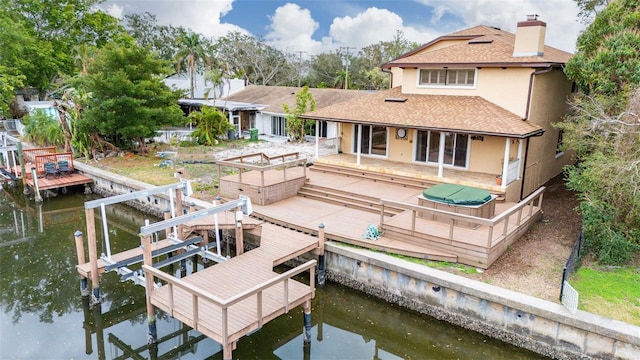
(602, 238)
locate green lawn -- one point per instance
(612, 292)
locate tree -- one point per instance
(607, 177)
(128, 101)
(192, 54)
(296, 127)
(43, 35)
(590, 8)
(603, 128)
(256, 61)
(324, 69)
(608, 51)
(212, 123)
(9, 83)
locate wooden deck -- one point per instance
(58, 182)
(347, 204)
(233, 298)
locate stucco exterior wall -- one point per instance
(549, 98)
(507, 88)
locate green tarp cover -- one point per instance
(457, 194)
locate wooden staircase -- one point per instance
(400, 180)
(346, 199)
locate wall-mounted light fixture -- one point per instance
(477, 137)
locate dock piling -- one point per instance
(152, 334)
(35, 185)
(306, 336)
(93, 255)
(84, 288)
(321, 261)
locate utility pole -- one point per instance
(300, 66)
(346, 73)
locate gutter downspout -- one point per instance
(390, 76)
(536, 72)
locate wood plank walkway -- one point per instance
(61, 181)
(231, 299)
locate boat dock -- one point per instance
(224, 301)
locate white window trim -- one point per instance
(434, 86)
(435, 163)
(386, 150)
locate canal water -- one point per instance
(43, 315)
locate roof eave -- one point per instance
(537, 132)
(477, 65)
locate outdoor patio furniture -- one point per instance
(63, 167)
(50, 169)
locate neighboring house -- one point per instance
(467, 101)
(271, 118)
(182, 82)
(46, 107)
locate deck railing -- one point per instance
(40, 160)
(30, 154)
(499, 222)
(263, 164)
(225, 304)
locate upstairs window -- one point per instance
(448, 77)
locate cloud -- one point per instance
(560, 16)
(291, 30)
(115, 10)
(201, 16)
(368, 27)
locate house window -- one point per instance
(456, 147)
(374, 140)
(278, 126)
(448, 77)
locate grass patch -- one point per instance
(430, 263)
(611, 292)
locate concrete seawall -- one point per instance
(541, 326)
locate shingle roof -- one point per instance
(466, 114)
(481, 46)
(274, 96)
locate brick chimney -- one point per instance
(530, 37)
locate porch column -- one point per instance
(441, 155)
(317, 138)
(520, 146)
(505, 162)
(359, 142)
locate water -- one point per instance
(44, 317)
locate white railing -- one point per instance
(569, 297)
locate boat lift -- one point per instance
(122, 265)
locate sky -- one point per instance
(309, 27)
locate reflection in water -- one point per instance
(44, 317)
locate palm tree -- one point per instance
(216, 78)
(191, 54)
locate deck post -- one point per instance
(152, 335)
(35, 185)
(306, 336)
(25, 189)
(239, 232)
(321, 261)
(93, 255)
(84, 288)
(167, 216)
(179, 212)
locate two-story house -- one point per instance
(474, 107)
